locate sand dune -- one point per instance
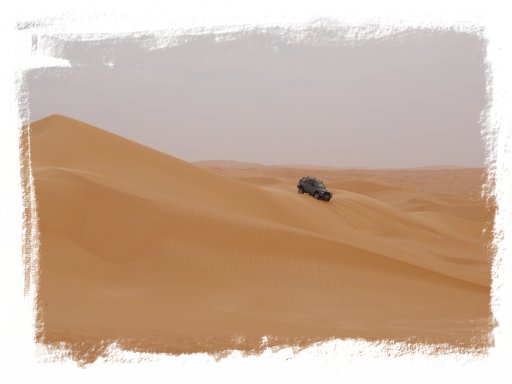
(164, 255)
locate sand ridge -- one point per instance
(172, 256)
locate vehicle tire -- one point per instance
(317, 196)
(301, 190)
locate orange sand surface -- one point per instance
(163, 255)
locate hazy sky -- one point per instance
(412, 100)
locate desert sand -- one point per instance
(164, 255)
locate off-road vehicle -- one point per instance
(314, 187)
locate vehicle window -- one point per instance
(321, 185)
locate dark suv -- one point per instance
(314, 187)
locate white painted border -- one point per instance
(330, 362)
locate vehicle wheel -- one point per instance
(317, 195)
(301, 190)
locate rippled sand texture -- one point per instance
(167, 256)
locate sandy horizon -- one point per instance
(163, 255)
(223, 163)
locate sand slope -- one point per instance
(169, 256)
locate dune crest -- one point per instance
(137, 245)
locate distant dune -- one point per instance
(248, 165)
(163, 255)
(224, 164)
(228, 164)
